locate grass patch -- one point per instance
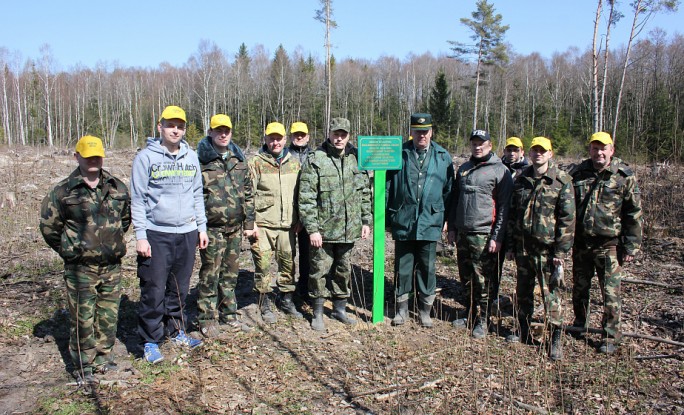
(65, 405)
(150, 373)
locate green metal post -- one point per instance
(379, 246)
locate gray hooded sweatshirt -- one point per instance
(166, 191)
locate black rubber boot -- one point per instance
(556, 352)
(524, 332)
(480, 329)
(340, 313)
(288, 306)
(424, 310)
(267, 313)
(317, 320)
(402, 315)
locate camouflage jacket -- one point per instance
(542, 212)
(275, 184)
(608, 205)
(334, 195)
(85, 225)
(227, 186)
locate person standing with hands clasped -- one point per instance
(84, 219)
(540, 233)
(335, 209)
(417, 196)
(167, 207)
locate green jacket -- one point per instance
(275, 184)
(415, 214)
(85, 225)
(227, 186)
(542, 213)
(608, 206)
(334, 195)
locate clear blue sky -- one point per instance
(145, 33)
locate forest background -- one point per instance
(525, 95)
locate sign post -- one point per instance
(379, 153)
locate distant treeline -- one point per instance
(529, 96)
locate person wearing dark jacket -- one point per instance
(514, 156)
(299, 148)
(229, 206)
(477, 223)
(416, 199)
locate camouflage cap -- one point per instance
(340, 124)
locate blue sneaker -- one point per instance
(183, 339)
(152, 353)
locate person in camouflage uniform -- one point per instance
(335, 209)
(84, 219)
(229, 205)
(477, 223)
(540, 233)
(608, 234)
(275, 172)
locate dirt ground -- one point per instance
(368, 369)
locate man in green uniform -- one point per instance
(416, 199)
(608, 234)
(334, 204)
(84, 219)
(540, 232)
(229, 206)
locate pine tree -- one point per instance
(489, 49)
(440, 104)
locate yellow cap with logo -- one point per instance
(90, 146)
(275, 128)
(220, 120)
(514, 141)
(299, 127)
(601, 137)
(542, 142)
(173, 112)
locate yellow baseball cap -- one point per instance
(89, 146)
(220, 120)
(275, 128)
(172, 112)
(601, 137)
(542, 142)
(299, 127)
(514, 141)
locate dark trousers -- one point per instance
(164, 284)
(418, 256)
(303, 244)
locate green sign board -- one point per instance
(380, 152)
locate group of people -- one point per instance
(288, 195)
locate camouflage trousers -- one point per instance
(218, 276)
(282, 242)
(532, 268)
(604, 261)
(330, 270)
(93, 295)
(479, 271)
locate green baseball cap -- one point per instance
(340, 124)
